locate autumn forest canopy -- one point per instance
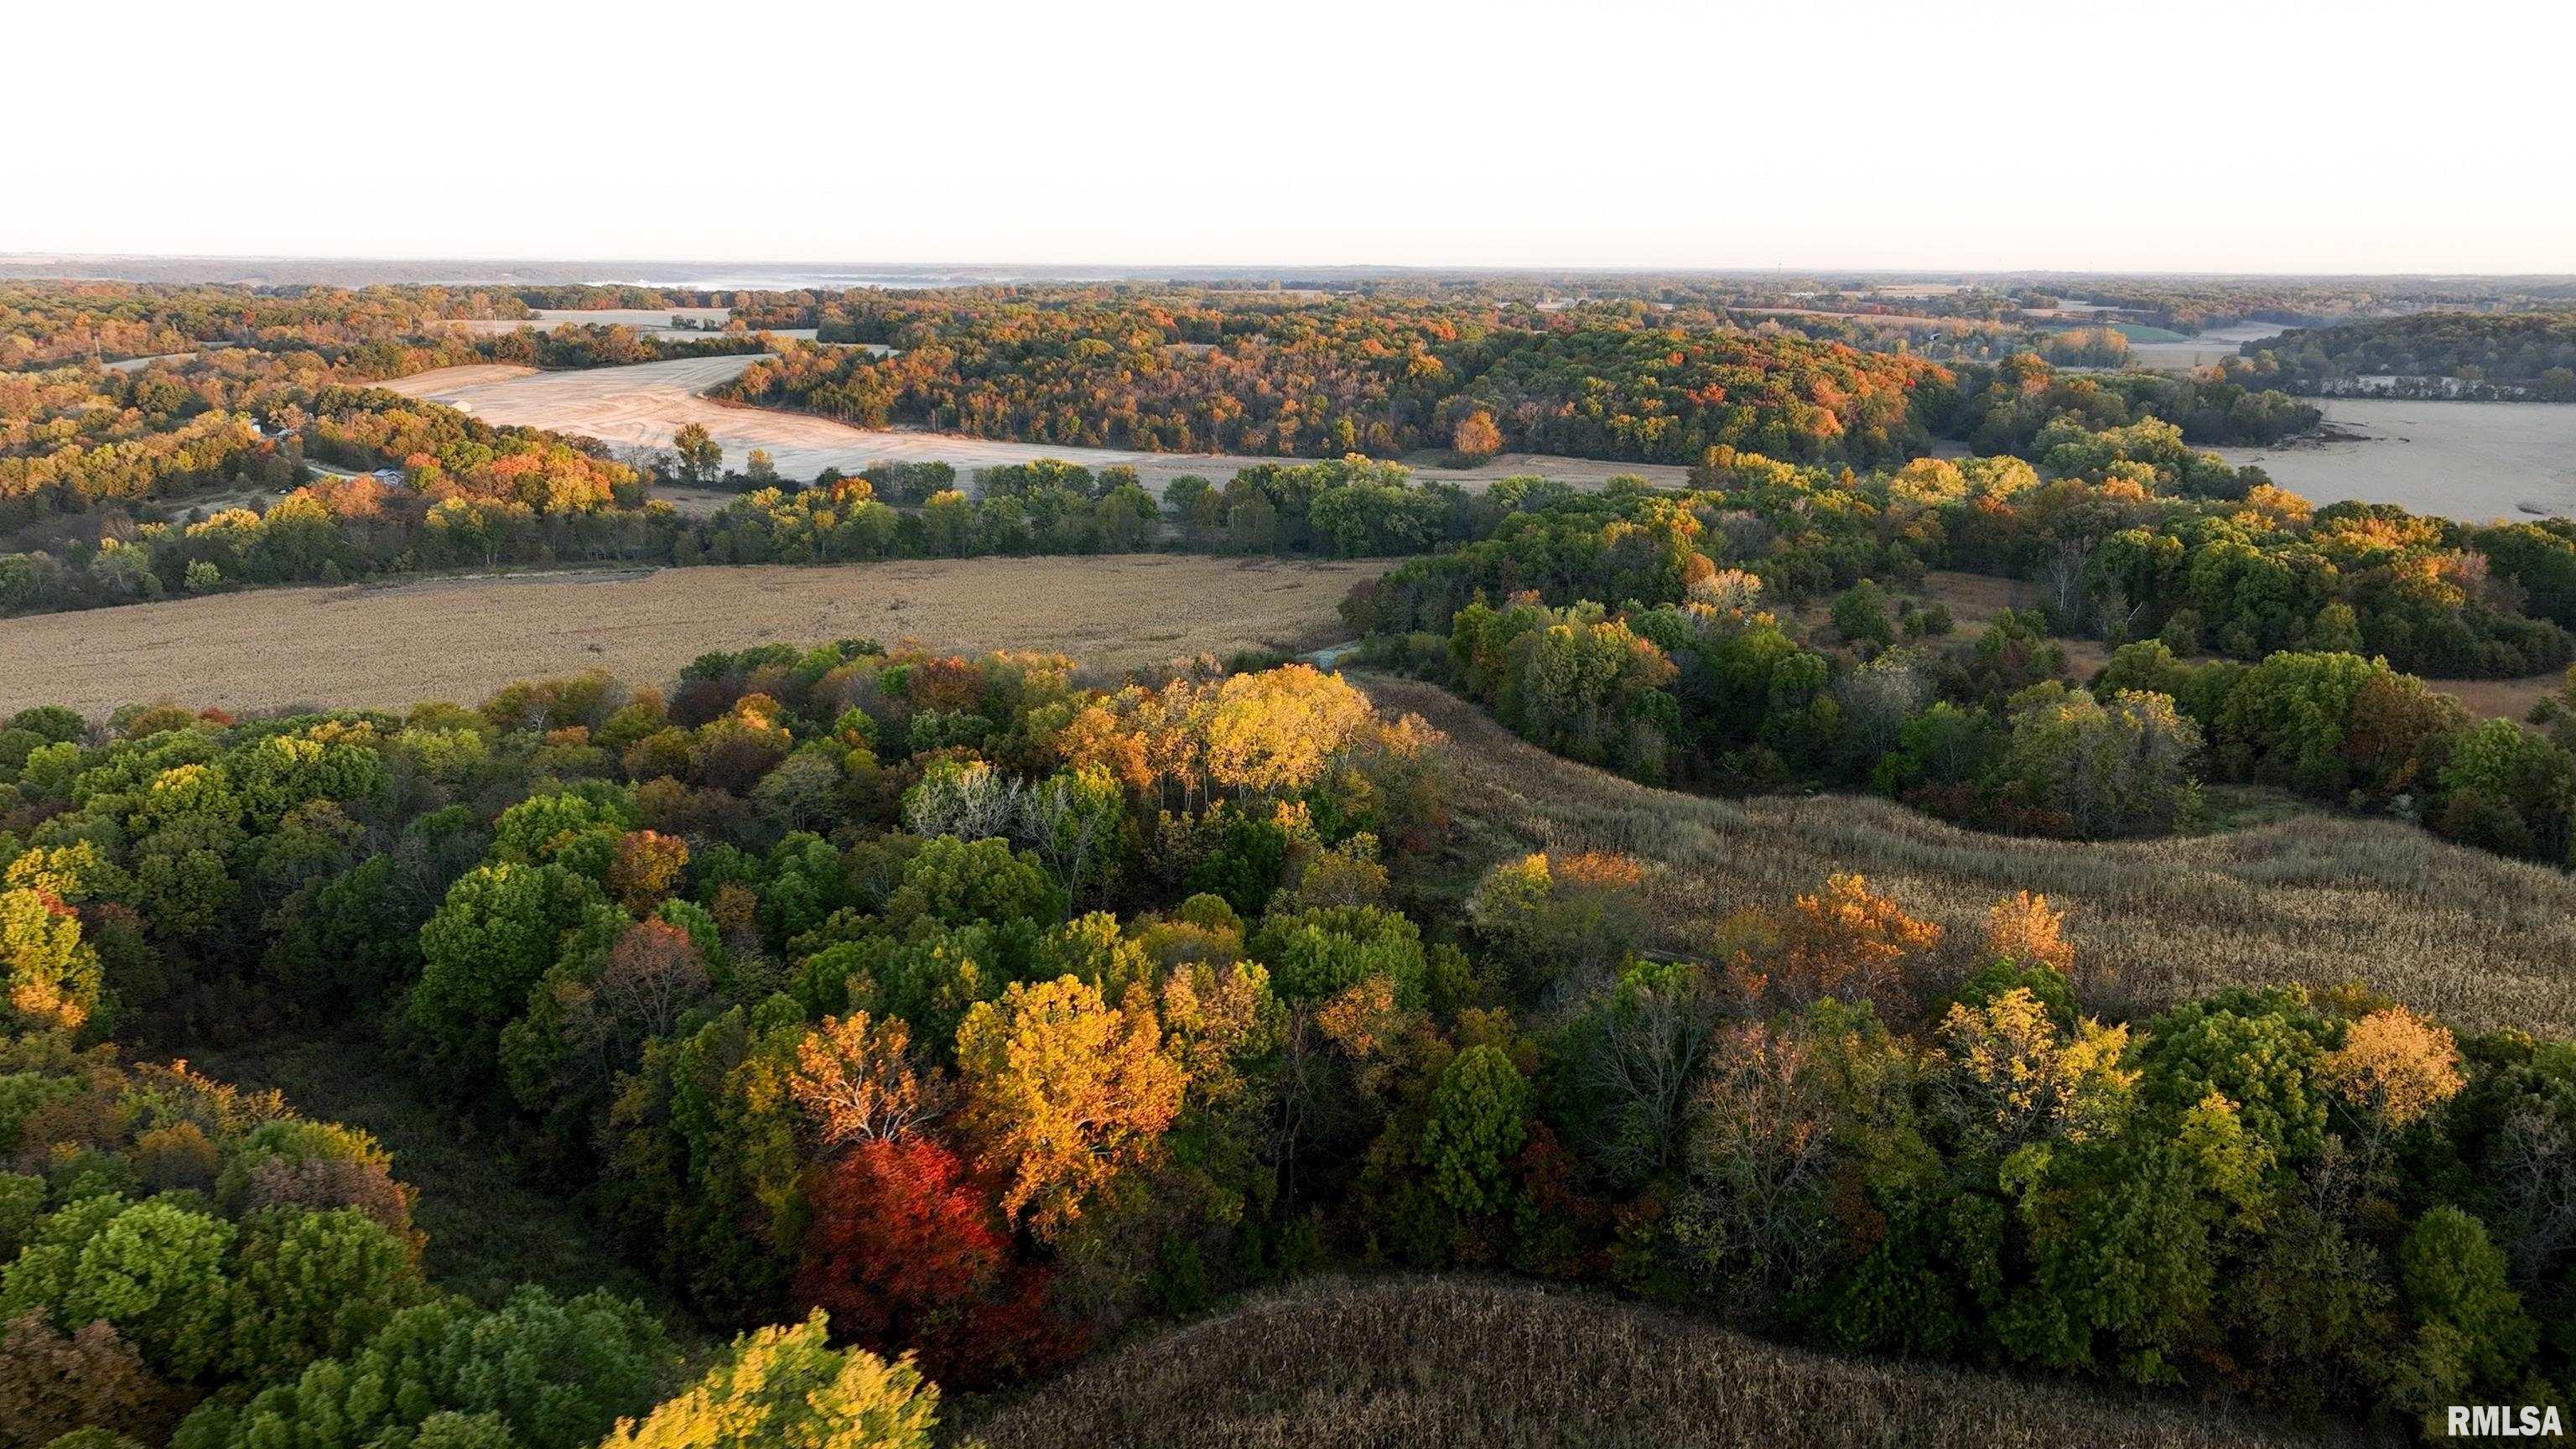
(880, 1035)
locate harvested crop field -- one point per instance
(2468, 460)
(439, 384)
(643, 405)
(460, 639)
(1514, 1365)
(2166, 351)
(2310, 897)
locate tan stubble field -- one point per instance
(461, 639)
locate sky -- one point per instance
(2241, 137)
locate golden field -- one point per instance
(461, 638)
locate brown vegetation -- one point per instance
(1507, 1365)
(2310, 897)
(463, 638)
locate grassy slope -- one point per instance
(1507, 1365)
(2308, 897)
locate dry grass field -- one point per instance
(645, 404)
(2504, 698)
(2203, 349)
(460, 639)
(442, 384)
(1502, 1365)
(2309, 897)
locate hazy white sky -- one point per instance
(2233, 136)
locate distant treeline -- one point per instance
(45, 324)
(2197, 304)
(2431, 354)
(755, 310)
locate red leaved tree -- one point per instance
(907, 1251)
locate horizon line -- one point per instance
(33, 258)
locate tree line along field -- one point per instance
(2522, 355)
(390, 648)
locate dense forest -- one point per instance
(74, 439)
(51, 323)
(2430, 354)
(981, 1012)
(2007, 407)
(1212, 372)
(1694, 677)
(1196, 371)
(55, 322)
